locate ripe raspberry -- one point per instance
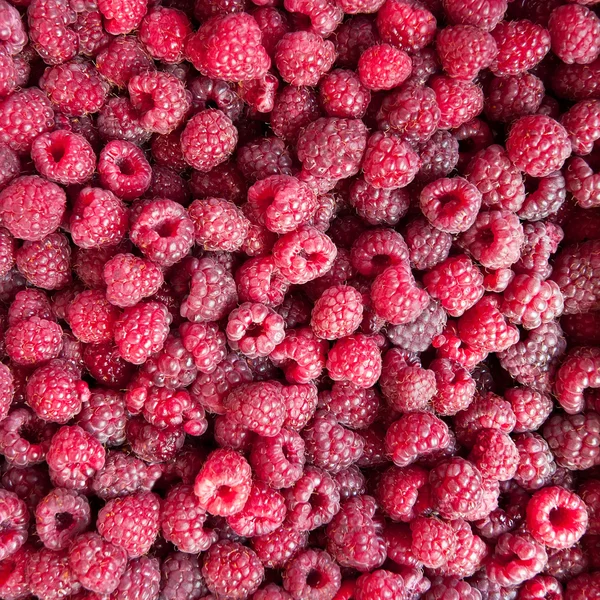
(531, 408)
(581, 181)
(470, 550)
(28, 303)
(480, 13)
(455, 387)
(577, 373)
(163, 32)
(14, 36)
(32, 207)
(129, 279)
(122, 17)
(464, 50)
(276, 549)
(581, 123)
(583, 586)
(232, 570)
(124, 170)
(427, 245)
(378, 206)
(208, 139)
(123, 58)
(106, 366)
(140, 580)
(473, 136)
(337, 313)
(91, 317)
(541, 241)
(131, 522)
(273, 23)
(574, 32)
(46, 263)
(312, 574)
(406, 25)
(89, 28)
(353, 37)
(300, 400)
(50, 33)
(271, 592)
(495, 455)
(238, 37)
(376, 249)
(536, 463)
(456, 488)
(575, 272)
(404, 449)
(383, 67)
(15, 521)
(323, 16)
(396, 297)
(404, 492)
(458, 101)
(205, 342)
(412, 111)
(13, 574)
(151, 443)
(49, 574)
(433, 541)
(181, 577)
(356, 359)
(264, 157)
(104, 416)
(74, 457)
(33, 341)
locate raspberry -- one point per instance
(575, 375)
(464, 50)
(389, 162)
(337, 313)
(412, 111)
(512, 97)
(92, 37)
(232, 570)
(46, 263)
(323, 16)
(183, 520)
(353, 37)
(13, 575)
(91, 317)
(104, 416)
(238, 38)
(205, 342)
(294, 108)
(123, 58)
(574, 271)
(141, 579)
(417, 335)
(182, 577)
(480, 13)
(28, 303)
(536, 463)
(97, 564)
(533, 360)
(281, 203)
(378, 206)
(32, 207)
(14, 37)
(581, 123)
(574, 30)
(455, 387)
(531, 408)
(74, 457)
(50, 33)
(33, 341)
(166, 183)
(50, 576)
(10, 165)
(131, 522)
(404, 492)
(443, 588)
(581, 181)
(583, 586)
(495, 455)
(300, 401)
(406, 25)
(404, 449)
(124, 170)
(312, 574)
(163, 32)
(122, 17)
(376, 249)
(427, 245)
(433, 541)
(151, 443)
(495, 239)
(458, 101)
(273, 23)
(470, 550)
(106, 366)
(161, 99)
(208, 139)
(383, 67)
(541, 241)
(516, 558)
(15, 520)
(142, 331)
(122, 475)
(264, 157)
(128, 280)
(396, 297)
(473, 136)
(356, 359)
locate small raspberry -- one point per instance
(404, 492)
(433, 541)
(337, 313)
(577, 373)
(140, 580)
(378, 206)
(406, 25)
(495, 455)
(376, 249)
(509, 98)
(427, 245)
(353, 37)
(105, 365)
(294, 108)
(264, 157)
(49, 574)
(91, 317)
(300, 403)
(49, 29)
(205, 342)
(531, 408)
(46, 263)
(536, 463)
(163, 32)
(13, 574)
(15, 520)
(151, 443)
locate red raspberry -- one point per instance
(337, 313)
(14, 37)
(384, 67)
(412, 111)
(433, 541)
(123, 58)
(323, 16)
(451, 205)
(444, 588)
(574, 32)
(28, 303)
(142, 331)
(131, 522)
(480, 13)
(163, 32)
(51, 36)
(575, 272)
(181, 577)
(531, 408)
(378, 206)
(495, 239)
(170, 408)
(583, 586)
(578, 372)
(455, 387)
(32, 207)
(271, 592)
(206, 343)
(521, 46)
(273, 23)
(264, 157)
(473, 136)
(376, 249)
(536, 463)
(464, 50)
(396, 297)
(129, 279)
(514, 96)
(161, 99)
(124, 474)
(405, 24)
(456, 488)
(166, 152)
(281, 203)
(470, 550)
(215, 93)
(140, 580)
(294, 108)
(124, 170)
(232, 570)
(91, 317)
(46, 263)
(218, 224)
(74, 457)
(356, 359)
(13, 573)
(239, 38)
(312, 574)
(106, 366)
(389, 162)
(11, 166)
(495, 455)
(300, 401)
(276, 549)
(151, 443)
(122, 17)
(353, 37)
(208, 139)
(404, 492)
(540, 154)
(353, 406)
(89, 28)
(582, 181)
(33, 341)
(49, 574)
(97, 564)
(516, 558)
(183, 521)
(581, 123)
(166, 183)
(588, 492)
(405, 448)
(15, 520)
(427, 245)
(458, 101)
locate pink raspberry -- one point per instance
(343, 95)
(264, 157)
(151, 443)
(427, 245)
(531, 407)
(384, 67)
(378, 206)
(297, 579)
(433, 541)
(205, 342)
(124, 170)
(376, 249)
(50, 32)
(337, 313)
(459, 101)
(163, 32)
(122, 17)
(91, 317)
(300, 404)
(406, 25)
(123, 58)
(581, 123)
(14, 36)
(49, 574)
(495, 455)
(33, 341)
(577, 373)
(479, 13)
(15, 521)
(404, 492)
(514, 96)
(356, 359)
(574, 31)
(294, 108)
(323, 16)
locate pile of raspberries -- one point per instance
(299, 299)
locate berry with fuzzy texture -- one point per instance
(455, 387)
(141, 580)
(376, 249)
(427, 245)
(50, 576)
(536, 463)
(581, 123)
(294, 108)
(356, 359)
(312, 574)
(205, 342)
(383, 67)
(574, 31)
(577, 373)
(33, 341)
(343, 94)
(433, 541)
(50, 33)
(123, 58)
(459, 101)
(91, 317)
(480, 13)
(129, 279)
(404, 492)
(46, 263)
(124, 170)
(582, 181)
(531, 408)
(495, 455)
(300, 404)
(378, 206)
(264, 157)
(163, 32)
(121, 17)
(406, 25)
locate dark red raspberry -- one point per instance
(514, 96)
(541, 241)
(271, 592)
(10, 164)
(182, 577)
(124, 170)
(352, 38)
(575, 272)
(531, 408)
(342, 94)
(412, 111)
(581, 180)
(50, 576)
(97, 564)
(378, 206)
(124, 474)
(151, 443)
(480, 13)
(104, 416)
(91, 317)
(583, 586)
(74, 457)
(294, 108)
(312, 574)
(239, 38)
(417, 335)
(383, 67)
(427, 245)
(88, 264)
(32, 207)
(273, 23)
(574, 32)
(46, 263)
(433, 541)
(396, 297)
(89, 28)
(464, 50)
(323, 16)
(122, 17)
(264, 157)
(118, 120)
(455, 387)
(458, 101)
(166, 183)
(141, 579)
(128, 280)
(406, 25)
(404, 448)
(473, 136)
(581, 123)
(163, 32)
(123, 58)
(28, 303)
(173, 367)
(33, 341)
(300, 402)
(106, 366)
